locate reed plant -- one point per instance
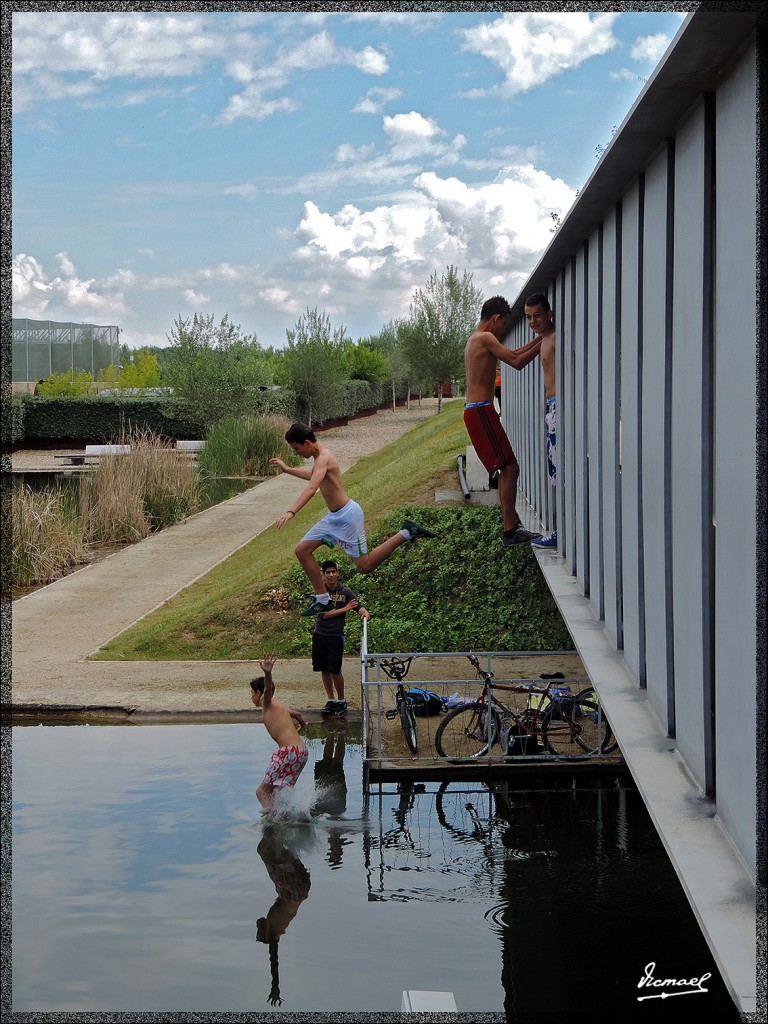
(132, 494)
(47, 535)
(243, 446)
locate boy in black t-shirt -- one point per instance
(328, 639)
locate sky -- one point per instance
(260, 164)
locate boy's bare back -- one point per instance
(276, 716)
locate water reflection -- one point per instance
(292, 883)
(331, 787)
(133, 848)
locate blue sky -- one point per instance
(259, 164)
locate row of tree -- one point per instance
(218, 367)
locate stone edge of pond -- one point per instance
(116, 714)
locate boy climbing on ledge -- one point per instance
(291, 755)
(343, 525)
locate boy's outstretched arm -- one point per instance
(267, 664)
(316, 477)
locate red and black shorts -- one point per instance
(487, 435)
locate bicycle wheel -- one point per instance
(570, 727)
(587, 707)
(470, 810)
(408, 722)
(463, 733)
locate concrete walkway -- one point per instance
(56, 628)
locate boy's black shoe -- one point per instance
(317, 608)
(415, 530)
(509, 538)
(341, 709)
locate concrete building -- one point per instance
(659, 299)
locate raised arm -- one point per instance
(302, 472)
(267, 664)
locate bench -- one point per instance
(189, 448)
(94, 451)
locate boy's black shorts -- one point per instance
(327, 652)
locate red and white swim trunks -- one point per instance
(286, 765)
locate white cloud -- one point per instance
(501, 225)
(413, 135)
(246, 191)
(533, 47)
(347, 153)
(58, 55)
(311, 54)
(624, 74)
(66, 296)
(375, 99)
(194, 298)
(494, 230)
(280, 299)
(370, 61)
(650, 49)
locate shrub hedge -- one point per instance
(106, 418)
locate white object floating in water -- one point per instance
(428, 1002)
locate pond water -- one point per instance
(146, 879)
(213, 490)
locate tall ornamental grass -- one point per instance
(47, 535)
(130, 495)
(243, 446)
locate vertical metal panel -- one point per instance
(611, 479)
(655, 438)
(735, 484)
(557, 300)
(594, 341)
(581, 399)
(567, 421)
(630, 426)
(689, 452)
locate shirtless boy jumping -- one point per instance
(291, 755)
(483, 350)
(343, 525)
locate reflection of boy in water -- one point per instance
(331, 786)
(292, 883)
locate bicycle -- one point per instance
(397, 669)
(557, 720)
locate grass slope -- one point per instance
(459, 591)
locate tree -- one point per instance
(216, 368)
(139, 370)
(315, 360)
(442, 317)
(362, 361)
(390, 344)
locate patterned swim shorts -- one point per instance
(286, 765)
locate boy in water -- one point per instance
(291, 755)
(345, 523)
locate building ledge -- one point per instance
(717, 883)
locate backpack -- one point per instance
(424, 702)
